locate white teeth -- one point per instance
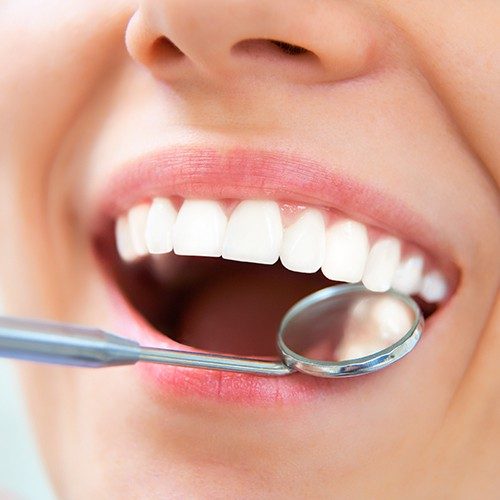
(199, 228)
(373, 325)
(408, 275)
(391, 318)
(381, 265)
(346, 251)
(254, 232)
(123, 239)
(434, 287)
(137, 219)
(161, 219)
(303, 247)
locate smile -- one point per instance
(206, 251)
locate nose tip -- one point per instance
(294, 40)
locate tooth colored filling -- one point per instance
(305, 239)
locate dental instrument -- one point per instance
(340, 331)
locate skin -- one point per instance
(407, 90)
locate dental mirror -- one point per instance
(348, 330)
(339, 331)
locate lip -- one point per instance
(244, 389)
(238, 174)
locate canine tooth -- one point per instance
(303, 247)
(161, 219)
(199, 228)
(346, 251)
(137, 218)
(381, 264)
(433, 287)
(123, 240)
(254, 232)
(408, 275)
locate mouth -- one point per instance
(206, 251)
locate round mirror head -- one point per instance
(348, 330)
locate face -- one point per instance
(353, 140)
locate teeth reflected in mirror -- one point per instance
(373, 324)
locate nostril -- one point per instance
(262, 47)
(288, 48)
(163, 48)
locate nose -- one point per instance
(295, 40)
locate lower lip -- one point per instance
(244, 389)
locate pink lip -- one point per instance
(210, 384)
(240, 174)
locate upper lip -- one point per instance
(239, 173)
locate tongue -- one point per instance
(239, 313)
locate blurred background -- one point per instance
(21, 472)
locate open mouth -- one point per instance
(214, 272)
(219, 275)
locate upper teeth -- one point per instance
(303, 246)
(161, 219)
(255, 232)
(347, 250)
(199, 229)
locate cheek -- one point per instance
(457, 47)
(66, 56)
(60, 67)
